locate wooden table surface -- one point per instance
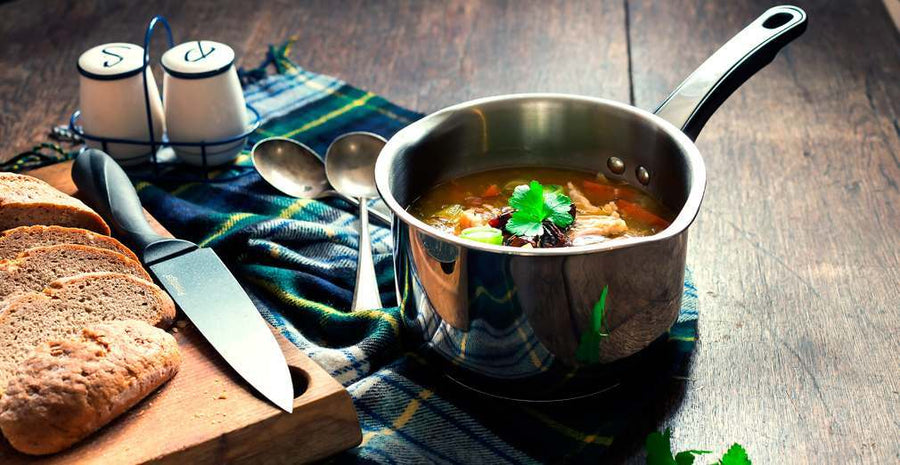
(796, 251)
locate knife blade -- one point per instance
(195, 277)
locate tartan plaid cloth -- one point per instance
(297, 260)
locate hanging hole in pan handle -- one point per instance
(777, 20)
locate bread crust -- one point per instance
(17, 240)
(67, 389)
(26, 201)
(68, 305)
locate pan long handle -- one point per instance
(692, 103)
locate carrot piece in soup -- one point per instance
(603, 192)
(606, 193)
(491, 191)
(639, 213)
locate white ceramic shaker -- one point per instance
(111, 94)
(203, 101)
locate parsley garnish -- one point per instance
(533, 206)
(589, 345)
(659, 452)
(736, 455)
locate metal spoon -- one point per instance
(348, 165)
(296, 170)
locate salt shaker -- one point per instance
(203, 101)
(111, 94)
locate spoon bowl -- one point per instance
(298, 171)
(350, 162)
(291, 167)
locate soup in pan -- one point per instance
(540, 207)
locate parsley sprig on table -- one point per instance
(533, 205)
(659, 452)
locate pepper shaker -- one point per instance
(203, 101)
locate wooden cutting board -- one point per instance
(206, 414)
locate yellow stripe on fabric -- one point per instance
(535, 360)
(567, 431)
(411, 409)
(405, 295)
(274, 251)
(331, 115)
(290, 297)
(293, 208)
(333, 91)
(232, 220)
(362, 101)
(481, 290)
(290, 66)
(182, 188)
(462, 346)
(683, 338)
(298, 205)
(141, 186)
(402, 420)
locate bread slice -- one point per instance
(17, 240)
(36, 268)
(69, 388)
(26, 201)
(72, 303)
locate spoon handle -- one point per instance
(365, 296)
(376, 216)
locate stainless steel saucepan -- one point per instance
(513, 322)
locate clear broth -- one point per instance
(642, 214)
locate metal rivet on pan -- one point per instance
(643, 176)
(616, 165)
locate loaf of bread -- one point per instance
(72, 303)
(26, 201)
(35, 269)
(69, 388)
(17, 240)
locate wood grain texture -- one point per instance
(424, 55)
(796, 251)
(207, 414)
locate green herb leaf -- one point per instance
(533, 206)
(528, 199)
(687, 457)
(659, 452)
(659, 449)
(588, 350)
(597, 321)
(684, 458)
(559, 205)
(736, 455)
(524, 226)
(553, 189)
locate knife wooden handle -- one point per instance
(105, 187)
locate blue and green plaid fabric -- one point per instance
(297, 260)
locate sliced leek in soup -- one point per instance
(540, 207)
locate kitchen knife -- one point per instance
(195, 277)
